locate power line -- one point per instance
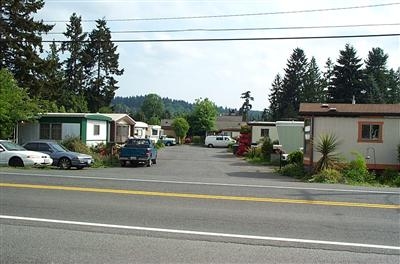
(234, 39)
(239, 29)
(231, 15)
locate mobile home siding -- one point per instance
(256, 133)
(91, 138)
(346, 130)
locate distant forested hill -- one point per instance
(132, 104)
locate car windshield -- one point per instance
(58, 147)
(10, 146)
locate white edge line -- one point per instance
(190, 232)
(204, 183)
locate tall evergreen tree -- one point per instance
(74, 65)
(102, 66)
(275, 98)
(313, 87)
(246, 106)
(266, 115)
(393, 91)
(54, 82)
(348, 78)
(377, 76)
(21, 43)
(328, 75)
(293, 83)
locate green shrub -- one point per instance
(245, 129)
(389, 177)
(396, 181)
(101, 161)
(357, 170)
(398, 152)
(198, 140)
(293, 170)
(100, 153)
(328, 176)
(254, 153)
(296, 157)
(267, 148)
(76, 145)
(160, 144)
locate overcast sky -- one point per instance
(222, 70)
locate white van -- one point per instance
(218, 141)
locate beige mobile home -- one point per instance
(370, 129)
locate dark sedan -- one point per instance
(62, 157)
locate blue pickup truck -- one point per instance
(138, 150)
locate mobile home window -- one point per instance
(265, 132)
(96, 130)
(154, 132)
(56, 131)
(44, 131)
(50, 131)
(370, 131)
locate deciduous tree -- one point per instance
(15, 106)
(203, 116)
(152, 106)
(181, 127)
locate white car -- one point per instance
(14, 155)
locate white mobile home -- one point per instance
(140, 130)
(261, 129)
(154, 132)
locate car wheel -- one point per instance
(168, 144)
(123, 163)
(210, 145)
(64, 163)
(16, 162)
(154, 161)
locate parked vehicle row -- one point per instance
(41, 153)
(62, 157)
(14, 155)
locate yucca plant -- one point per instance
(327, 146)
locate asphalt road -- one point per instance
(197, 205)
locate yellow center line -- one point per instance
(199, 196)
